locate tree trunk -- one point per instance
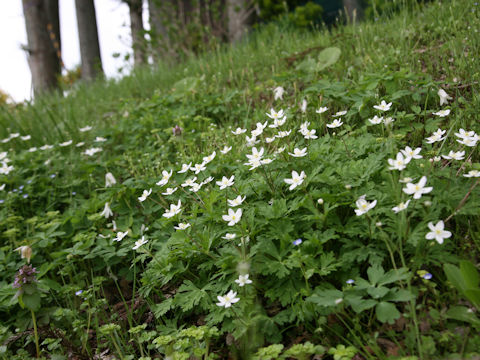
(239, 14)
(41, 21)
(160, 42)
(88, 36)
(136, 27)
(353, 10)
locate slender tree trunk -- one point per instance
(160, 42)
(353, 9)
(41, 21)
(239, 13)
(136, 27)
(88, 36)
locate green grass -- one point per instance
(160, 299)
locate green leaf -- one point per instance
(470, 274)
(473, 295)
(32, 301)
(326, 297)
(394, 276)
(454, 275)
(375, 273)
(378, 292)
(399, 295)
(387, 312)
(360, 304)
(462, 313)
(328, 57)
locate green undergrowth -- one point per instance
(353, 248)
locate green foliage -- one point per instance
(466, 279)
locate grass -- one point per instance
(96, 295)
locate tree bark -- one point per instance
(136, 27)
(88, 36)
(42, 22)
(239, 13)
(353, 10)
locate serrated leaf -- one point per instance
(360, 304)
(375, 273)
(326, 297)
(377, 292)
(399, 295)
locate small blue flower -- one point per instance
(2, 201)
(25, 196)
(21, 187)
(14, 190)
(74, 193)
(350, 281)
(297, 242)
(52, 176)
(79, 292)
(427, 276)
(29, 181)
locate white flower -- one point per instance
(340, 113)
(243, 280)
(299, 152)
(139, 243)
(80, 144)
(442, 113)
(437, 232)
(110, 179)
(269, 140)
(86, 128)
(278, 93)
(92, 151)
(296, 180)
(226, 182)
(417, 189)
(182, 226)
(198, 168)
(46, 147)
(25, 252)
(406, 179)
(169, 191)
(304, 127)
(189, 182)
(303, 107)
(253, 163)
(321, 110)
(2, 187)
(436, 136)
(310, 134)
(256, 154)
(165, 177)
(388, 120)
(5, 169)
(32, 149)
(237, 201)
(239, 131)
(409, 153)
(195, 187)
(66, 143)
(229, 236)
(251, 141)
(383, 106)
(462, 134)
(472, 173)
(275, 115)
(185, 168)
(174, 210)
(282, 134)
(265, 161)
(232, 217)
(363, 205)
(459, 155)
(280, 150)
(26, 137)
(278, 122)
(14, 135)
(228, 299)
(399, 163)
(107, 212)
(209, 158)
(120, 236)
(226, 149)
(100, 139)
(336, 123)
(400, 207)
(469, 141)
(376, 120)
(207, 180)
(145, 194)
(444, 97)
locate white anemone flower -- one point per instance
(185, 168)
(169, 191)
(197, 168)
(229, 236)
(376, 120)
(139, 243)
(145, 194)
(243, 280)
(472, 173)
(227, 300)
(110, 179)
(239, 131)
(182, 226)
(303, 106)
(189, 182)
(226, 149)
(120, 236)
(444, 97)
(86, 128)
(226, 182)
(274, 115)
(165, 177)
(210, 157)
(363, 206)
(296, 180)
(66, 143)
(408, 152)
(321, 110)
(278, 93)
(400, 207)
(437, 232)
(310, 134)
(92, 151)
(388, 120)
(336, 123)
(383, 106)
(233, 216)
(237, 201)
(282, 134)
(436, 136)
(174, 210)
(278, 122)
(442, 113)
(452, 155)
(340, 113)
(107, 212)
(299, 152)
(256, 154)
(399, 163)
(417, 189)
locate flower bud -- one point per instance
(320, 201)
(25, 252)
(177, 130)
(109, 180)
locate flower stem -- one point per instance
(35, 333)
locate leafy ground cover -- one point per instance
(301, 195)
